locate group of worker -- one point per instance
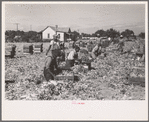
(54, 51)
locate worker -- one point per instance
(98, 38)
(61, 45)
(50, 63)
(72, 56)
(55, 40)
(121, 44)
(96, 50)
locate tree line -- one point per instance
(32, 36)
(21, 36)
(112, 33)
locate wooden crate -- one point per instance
(28, 49)
(37, 51)
(62, 77)
(38, 48)
(137, 81)
(10, 51)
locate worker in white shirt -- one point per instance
(72, 56)
(53, 42)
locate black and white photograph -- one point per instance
(75, 51)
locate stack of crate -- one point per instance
(10, 51)
(28, 49)
(69, 76)
(38, 48)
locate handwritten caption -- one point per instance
(81, 103)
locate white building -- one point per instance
(49, 31)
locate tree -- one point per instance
(101, 33)
(30, 35)
(10, 33)
(142, 35)
(112, 33)
(93, 35)
(127, 33)
(25, 37)
(74, 35)
(21, 36)
(19, 33)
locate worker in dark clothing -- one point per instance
(50, 63)
(96, 50)
(121, 44)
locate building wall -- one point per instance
(49, 31)
(62, 35)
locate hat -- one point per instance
(77, 47)
(121, 36)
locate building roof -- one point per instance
(64, 29)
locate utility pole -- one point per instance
(30, 27)
(17, 25)
(56, 28)
(79, 33)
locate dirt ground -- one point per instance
(107, 80)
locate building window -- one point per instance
(59, 36)
(48, 35)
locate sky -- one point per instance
(87, 18)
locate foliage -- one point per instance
(142, 35)
(112, 33)
(21, 36)
(127, 33)
(88, 35)
(10, 34)
(101, 33)
(74, 35)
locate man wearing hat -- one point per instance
(54, 41)
(121, 44)
(51, 55)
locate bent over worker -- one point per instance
(96, 50)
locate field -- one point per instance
(107, 80)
